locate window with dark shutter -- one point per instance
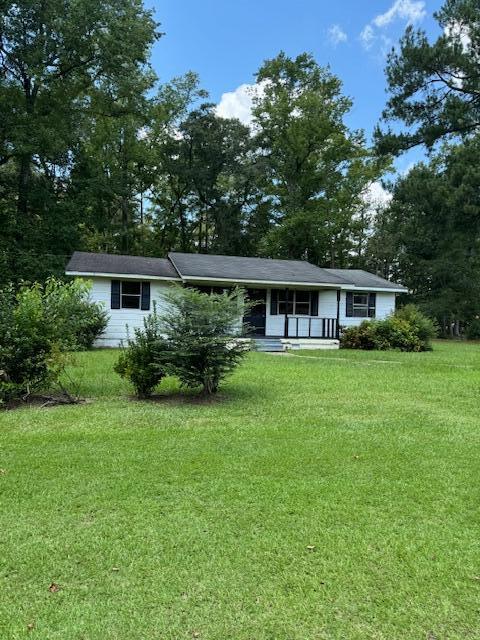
(314, 303)
(115, 294)
(372, 302)
(145, 296)
(361, 304)
(349, 310)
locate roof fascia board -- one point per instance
(125, 276)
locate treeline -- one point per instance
(97, 154)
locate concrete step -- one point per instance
(263, 344)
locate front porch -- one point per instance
(294, 314)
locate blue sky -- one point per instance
(225, 42)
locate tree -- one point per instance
(316, 170)
(199, 328)
(56, 56)
(429, 236)
(435, 88)
(209, 184)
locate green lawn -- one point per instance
(181, 519)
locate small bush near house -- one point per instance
(142, 361)
(79, 320)
(407, 330)
(198, 327)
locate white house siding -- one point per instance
(122, 322)
(385, 306)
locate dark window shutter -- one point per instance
(372, 303)
(274, 302)
(349, 304)
(145, 296)
(314, 305)
(115, 295)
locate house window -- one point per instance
(296, 302)
(284, 305)
(131, 294)
(361, 305)
(302, 303)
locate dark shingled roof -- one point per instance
(361, 278)
(236, 268)
(123, 265)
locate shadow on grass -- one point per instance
(173, 394)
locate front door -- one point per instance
(256, 315)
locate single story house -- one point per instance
(295, 303)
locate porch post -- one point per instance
(337, 330)
(286, 313)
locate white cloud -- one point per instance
(408, 11)
(239, 103)
(336, 35)
(376, 196)
(459, 32)
(367, 36)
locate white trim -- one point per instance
(120, 276)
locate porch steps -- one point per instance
(287, 344)
(268, 344)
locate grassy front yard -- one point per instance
(332, 496)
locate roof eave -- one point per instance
(128, 276)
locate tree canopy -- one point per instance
(435, 87)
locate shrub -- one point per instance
(198, 327)
(425, 328)
(142, 361)
(406, 330)
(30, 355)
(79, 320)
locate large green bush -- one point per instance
(38, 325)
(143, 359)
(407, 330)
(30, 354)
(79, 320)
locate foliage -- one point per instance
(435, 87)
(65, 73)
(407, 330)
(316, 170)
(198, 327)
(428, 238)
(141, 362)
(473, 329)
(30, 354)
(38, 325)
(425, 328)
(79, 321)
